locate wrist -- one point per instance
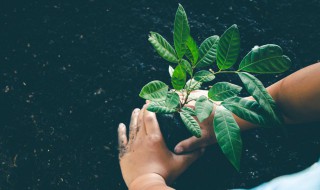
(150, 181)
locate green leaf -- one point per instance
(208, 51)
(191, 124)
(160, 107)
(181, 32)
(171, 69)
(228, 48)
(162, 46)
(168, 106)
(265, 59)
(203, 108)
(193, 85)
(189, 111)
(260, 94)
(204, 76)
(172, 100)
(192, 52)
(228, 135)
(179, 77)
(186, 65)
(246, 109)
(223, 90)
(154, 91)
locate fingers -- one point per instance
(150, 122)
(134, 123)
(141, 127)
(122, 139)
(189, 145)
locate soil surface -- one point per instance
(70, 71)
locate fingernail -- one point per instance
(122, 126)
(178, 149)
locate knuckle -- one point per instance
(154, 138)
(149, 118)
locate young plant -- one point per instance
(222, 51)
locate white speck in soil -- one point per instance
(98, 91)
(6, 89)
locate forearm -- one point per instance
(149, 182)
(297, 96)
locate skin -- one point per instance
(146, 162)
(296, 95)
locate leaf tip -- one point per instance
(237, 167)
(198, 135)
(141, 95)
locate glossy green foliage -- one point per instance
(181, 32)
(223, 90)
(187, 67)
(228, 135)
(172, 100)
(192, 52)
(179, 77)
(246, 109)
(260, 94)
(168, 106)
(190, 111)
(228, 48)
(191, 124)
(224, 53)
(203, 108)
(155, 91)
(265, 59)
(160, 107)
(193, 85)
(162, 46)
(208, 51)
(204, 76)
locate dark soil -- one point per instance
(70, 71)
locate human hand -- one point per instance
(207, 138)
(145, 154)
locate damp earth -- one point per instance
(71, 71)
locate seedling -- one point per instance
(223, 51)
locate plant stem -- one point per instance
(221, 72)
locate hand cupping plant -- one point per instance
(222, 51)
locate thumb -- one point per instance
(184, 160)
(189, 145)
